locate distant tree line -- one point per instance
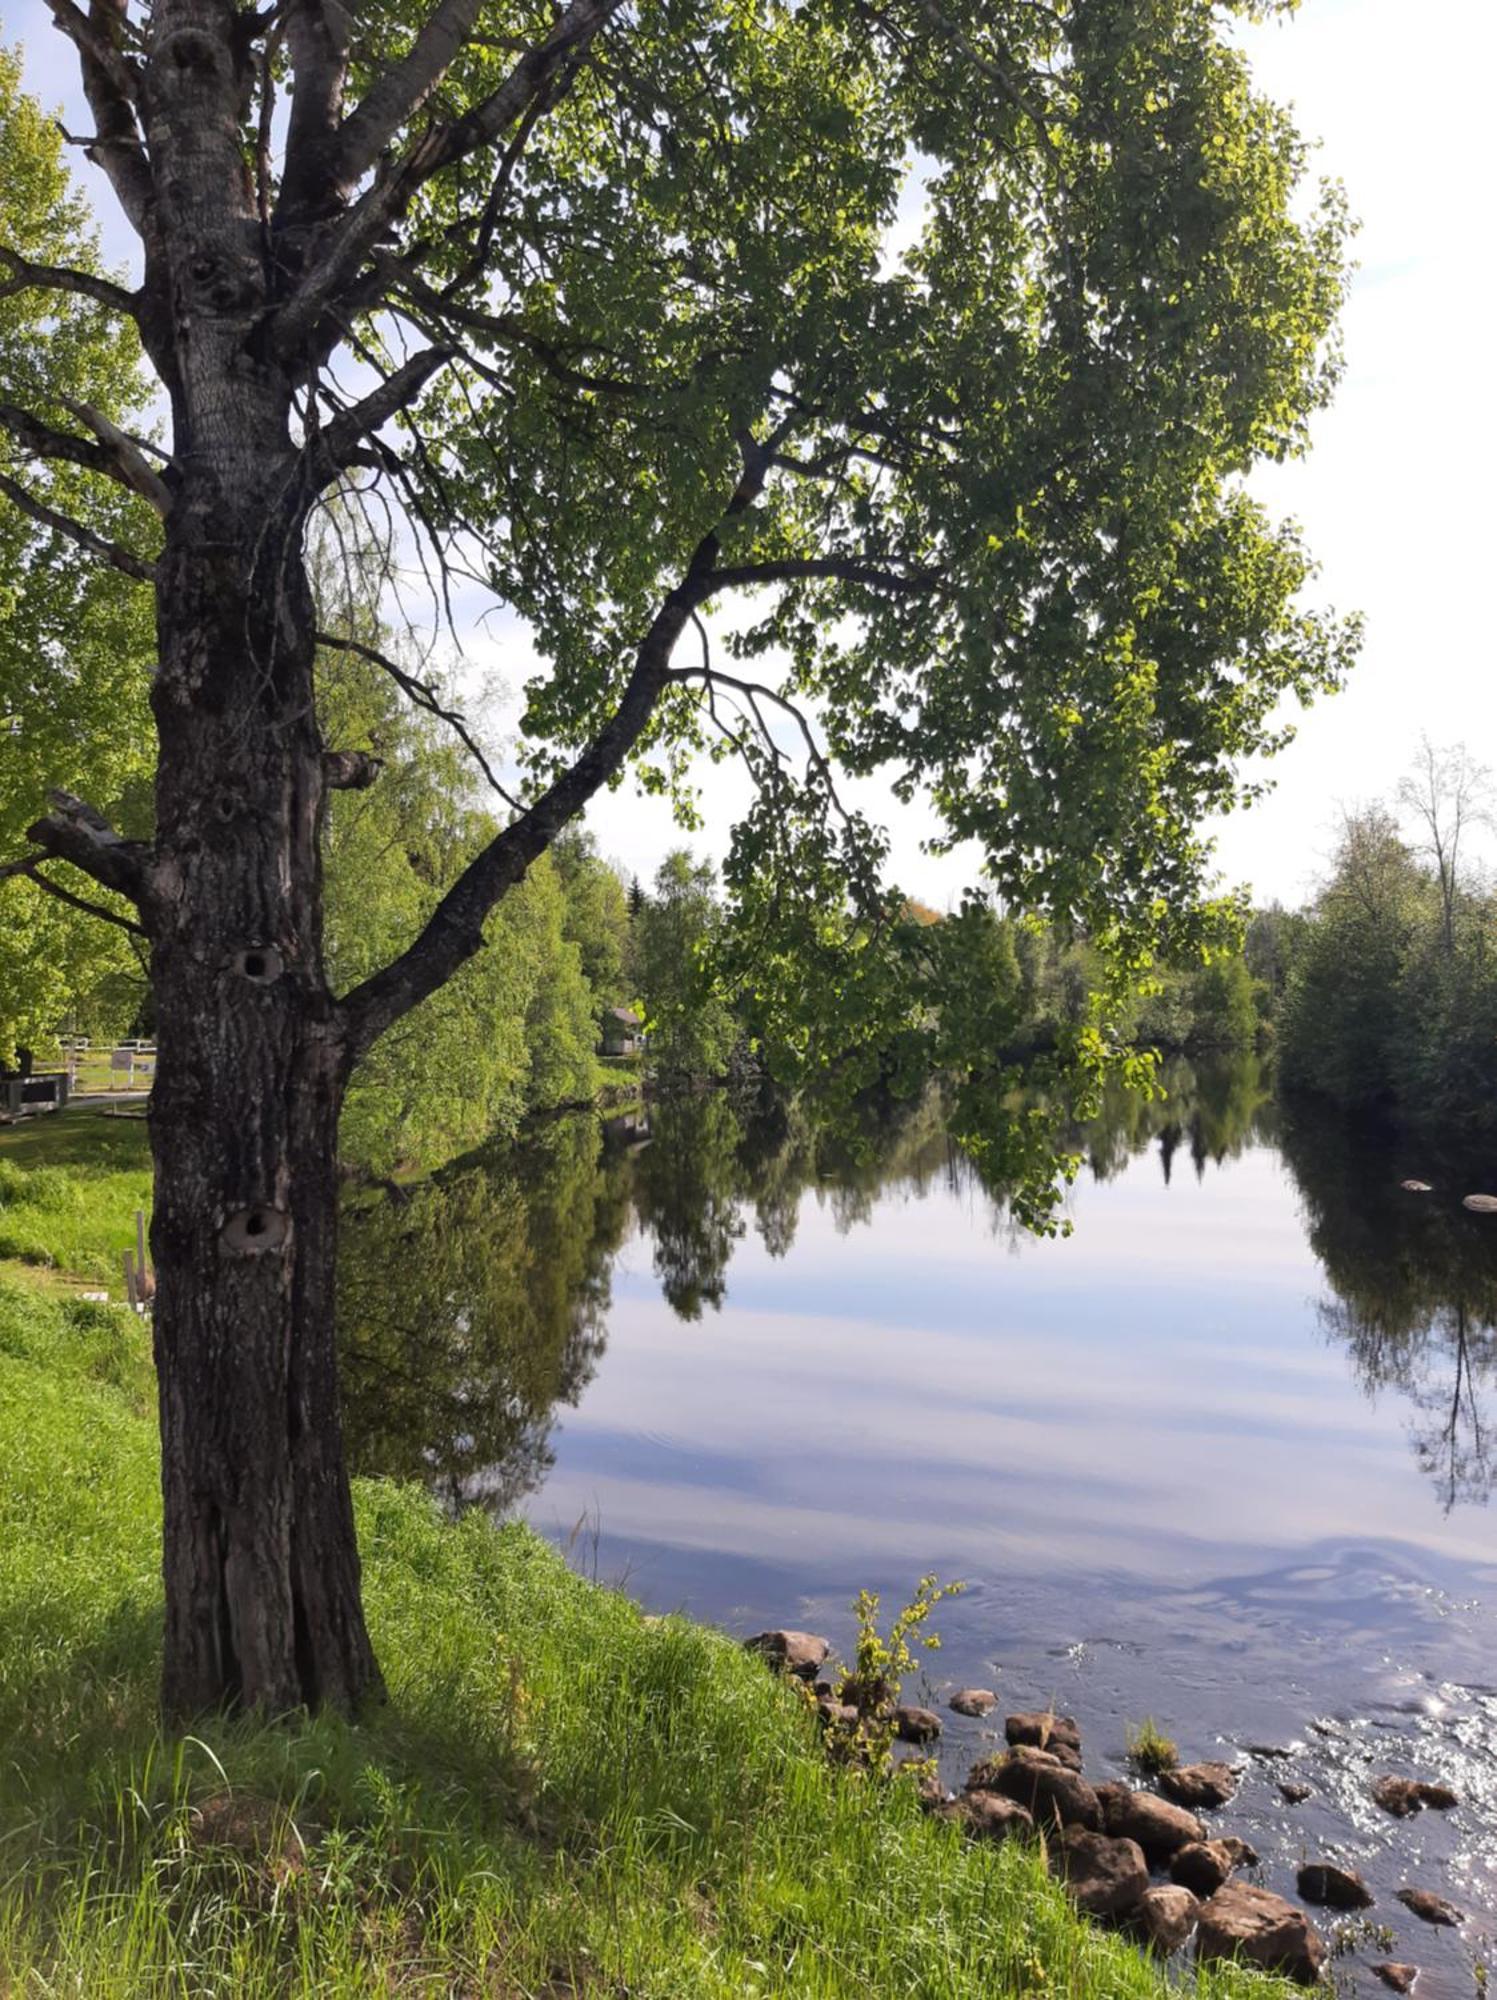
(1387, 984)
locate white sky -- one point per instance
(1395, 499)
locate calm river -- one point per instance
(1221, 1457)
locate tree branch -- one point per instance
(111, 84)
(334, 446)
(353, 239)
(74, 831)
(64, 524)
(454, 931)
(40, 440)
(130, 461)
(115, 455)
(317, 40)
(30, 869)
(402, 90)
(836, 568)
(28, 276)
(480, 126)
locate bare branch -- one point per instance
(115, 455)
(74, 831)
(29, 868)
(424, 696)
(755, 691)
(130, 465)
(111, 83)
(28, 276)
(334, 447)
(64, 524)
(40, 440)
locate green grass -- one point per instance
(70, 1184)
(1150, 1749)
(561, 1796)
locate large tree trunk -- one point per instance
(260, 1561)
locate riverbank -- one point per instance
(561, 1796)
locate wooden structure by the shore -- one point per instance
(24, 1096)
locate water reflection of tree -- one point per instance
(472, 1305)
(1216, 1107)
(686, 1191)
(1414, 1278)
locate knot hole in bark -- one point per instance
(250, 1232)
(226, 805)
(260, 964)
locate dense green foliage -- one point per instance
(1390, 999)
(73, 643)
(559, 1794)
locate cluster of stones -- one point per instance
(1107, 1842)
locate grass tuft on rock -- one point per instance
(559, 1798)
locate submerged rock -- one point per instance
(1197, 1785)
(1338, 1888)
(1242, 1921)
(1432, 1909)
(799, 1653)
(1103, 1876)
(1295, 1794)
(1165, 1917)
(1400, 1977)
(973, 1701)
(1158, 1827)
(916, 1725)
(1042, 1784)
(1404, 1796)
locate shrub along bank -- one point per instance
(561, 1796)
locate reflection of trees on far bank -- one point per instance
(1414, 1283)
(475, 1303)
(1209, 1109)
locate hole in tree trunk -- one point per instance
(261, 964)
(252, 1231)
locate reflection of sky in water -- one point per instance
(1151, 1396)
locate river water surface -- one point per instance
(1220, 1457)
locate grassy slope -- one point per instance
(561, 1796)
(70, 1184)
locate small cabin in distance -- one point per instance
(623, 1032)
